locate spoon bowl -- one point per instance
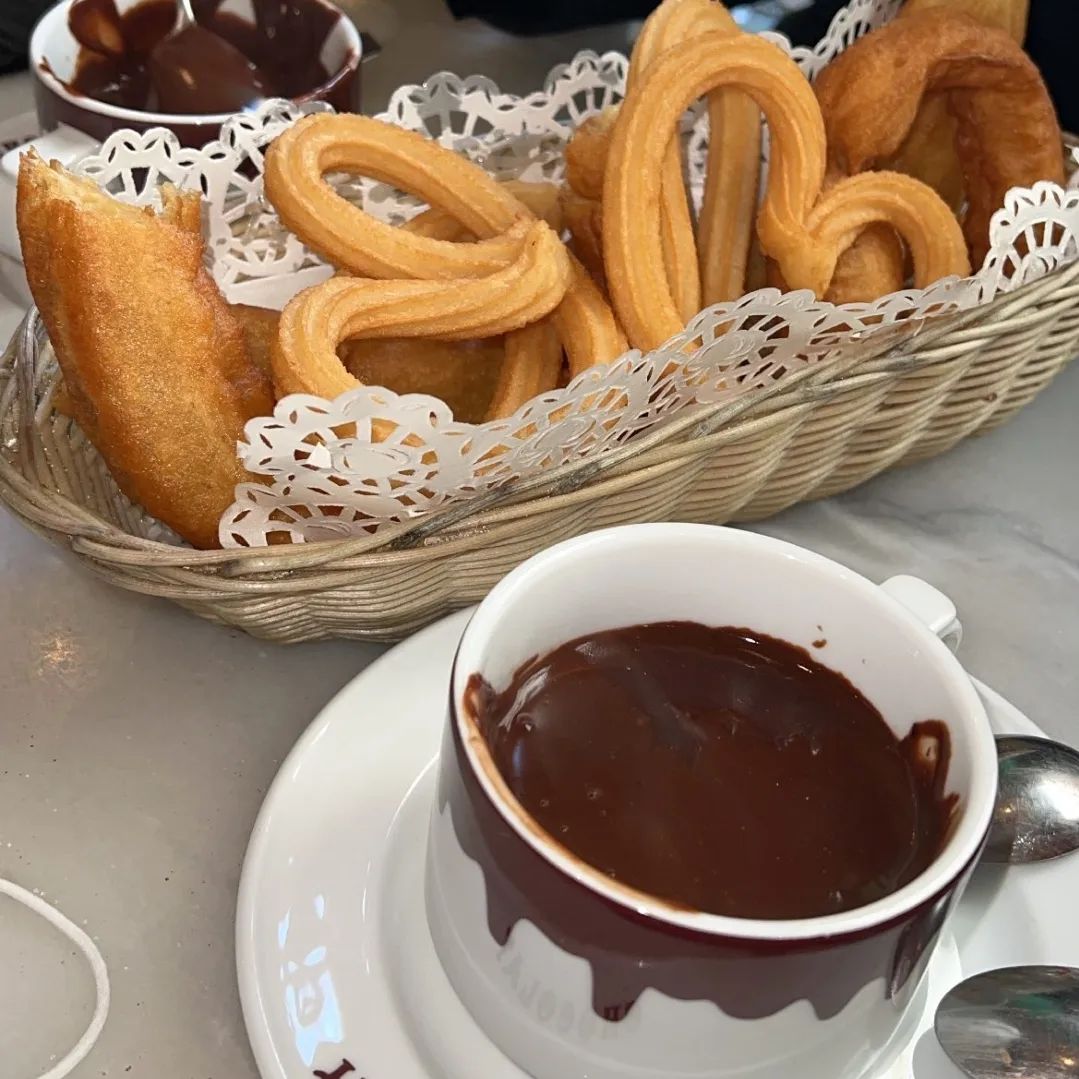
(1013, 1022)
(194, 70)
(197, 71)
(1037, 809)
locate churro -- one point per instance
(349, 237)
(584, 220)
(1006, 130)
(318, 320)
(586, 153)
(727, 213)
(804, 238)
(540, 198)
(531, 366)
(464, 374)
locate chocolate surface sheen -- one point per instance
(719, 769)
(223, 64)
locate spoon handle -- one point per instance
(185, 15)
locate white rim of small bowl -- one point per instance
(42, 71)
(960, 851)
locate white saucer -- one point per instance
(336, 968)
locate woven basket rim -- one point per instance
(933, 341)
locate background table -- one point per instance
(136, 742)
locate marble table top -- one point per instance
(136, 742)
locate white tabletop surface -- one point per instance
(136, 742)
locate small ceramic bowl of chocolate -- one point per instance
(706, 803)
(102, 65)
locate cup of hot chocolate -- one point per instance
(706, 803)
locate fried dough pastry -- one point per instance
(700, 270)
(349, 237)
(929, 150)
(713, 268)
(438, 224)
(298, 159)
(464, 374)
(155, 364)
(1006, 130)
(586, 153)
(660, 31)
(873, 266)
(802, 229)
(467, 375)
(259, 327)
(483, 379)
(1011, 16)
(182, 208)
(584, 220)
(320, 319)
(582, 193)
(531, 366)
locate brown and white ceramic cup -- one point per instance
(74, 125)
(575, 976)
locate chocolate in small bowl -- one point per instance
(304, 50)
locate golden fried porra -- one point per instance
(156, 366)
(462, 373)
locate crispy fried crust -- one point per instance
(259, 327)
(584, 220)
(727, 213)
(155, 364)
(463, 373)
(438, 224)
(586, 153)
(1006, 130)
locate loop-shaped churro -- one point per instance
(298, 159)
(730, 193)
(806, 248)
(1006, 129)
(319, 319)
(851, 205)
(661, 30)
(711, 267)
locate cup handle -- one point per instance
(928, 605)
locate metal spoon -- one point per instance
(1013, 1022)
(1037, 810)
(194, 70)
(185, 15)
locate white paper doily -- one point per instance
(322, 485)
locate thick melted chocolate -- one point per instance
(719, 769)
(279, 54)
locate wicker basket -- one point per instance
(830, 430)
